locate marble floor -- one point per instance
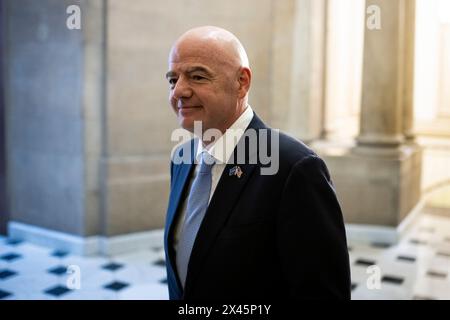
(415, 268)
(28, 271)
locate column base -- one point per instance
(375, 185)
(86, 246)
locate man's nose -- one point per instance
(181, 89)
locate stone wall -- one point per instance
(45, 127)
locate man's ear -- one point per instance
(244, 79)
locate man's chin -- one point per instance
(187, 125)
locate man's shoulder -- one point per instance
(296, 156)
(293, 150)
(290, 149)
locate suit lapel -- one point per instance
(182, 172)
(216, 216)
(226, 195)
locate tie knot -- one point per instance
(207, 161)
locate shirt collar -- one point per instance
(224, 147)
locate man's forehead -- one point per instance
(203, 50)
(201, 54)
(197, 61)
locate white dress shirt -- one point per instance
(221, 150)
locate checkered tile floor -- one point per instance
(415, 268)
(32, 272)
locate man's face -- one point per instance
(203, 86)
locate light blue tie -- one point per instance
(195, 211)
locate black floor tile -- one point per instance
(112, 266)
(417, 241)
(10, 257)
(14, 242)
(59, 253)
(443, 254)
(381, 245)
(59, 270)
(160, 263)
(4, 294)
(5, 274)
(57, 291)
(406, 258)
(437, 274)
(116, 285)
(365, 262)
(392, 279)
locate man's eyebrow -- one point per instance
(199, 69)
(173, 74)
(170, 74)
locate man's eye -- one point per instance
(196, 77)
(172, 81)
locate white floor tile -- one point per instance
(145, 292)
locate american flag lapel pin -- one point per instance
(236, 171)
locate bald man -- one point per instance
(233, 230)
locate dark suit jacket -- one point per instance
(264, 236)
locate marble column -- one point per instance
(378, 180)
(387, 64)
(444, 92)
(344, 53)
(408, 90)
(298, 67)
